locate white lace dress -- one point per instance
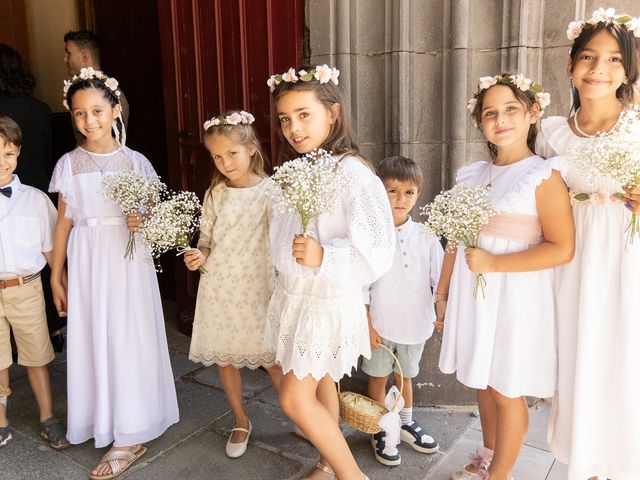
(119, 380)
(595, 421)
(317, 322)
(231, 307)
(506, 340)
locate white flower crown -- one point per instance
(605, 16)
(89, 73)
(543, 98)
(322, 73)
(235, 118)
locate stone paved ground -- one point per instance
(194, 448)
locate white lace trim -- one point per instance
(526, 184)
(266, 360)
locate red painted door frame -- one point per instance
(217, 56)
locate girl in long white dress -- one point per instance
(595, 421)
(233, 248)
(317, 322)
(504, 345)
(119, 379)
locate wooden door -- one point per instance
(217, 56)
(13, 26)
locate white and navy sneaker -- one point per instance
(416, 436)
(391, 457)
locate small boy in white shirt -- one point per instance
(401, 312)
(27, 220)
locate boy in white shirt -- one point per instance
(27, 219)
(401, 312)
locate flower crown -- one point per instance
(322, 73)
(543, 98)
(89, 73)
(608, 15)
(235, 118)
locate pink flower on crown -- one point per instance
(602, 15)
(234, 119)
(65, 104)
(67, 85)
(247, 117)
(111, 83)
(272, 83)
(487, 82)
(471, 104)
(544, 99)
(574, 30)
(290, 76)
(334, 75)
(634, 26)
(522, 83)
(324, 73)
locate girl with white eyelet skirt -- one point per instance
(317, 320)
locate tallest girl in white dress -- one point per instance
(595, 422)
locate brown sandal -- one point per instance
(112, 457)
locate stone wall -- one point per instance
(408, 68)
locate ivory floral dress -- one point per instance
(231, 307)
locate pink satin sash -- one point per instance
(514, 226)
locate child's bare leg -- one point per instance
(488, 417)
(4, 380)
(41, 386)
(232, 385)
(299, 400)
(407, 390)
(275, 374)
(377, 388)
(512, 425)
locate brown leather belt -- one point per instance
(15, 282)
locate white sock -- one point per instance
(406, 415)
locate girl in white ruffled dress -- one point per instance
(504, 345)
(233, 250)
(317, 321)
(595, 419)
(120, 385)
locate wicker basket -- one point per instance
(366, 422)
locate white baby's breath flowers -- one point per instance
(458, 215)
(172, 224)
(310, 185)
(134, 194)
(615, 155)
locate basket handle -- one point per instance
(401, 374)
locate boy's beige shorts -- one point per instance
(22, 310)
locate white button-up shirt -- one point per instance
(401, 301)
(27, 221)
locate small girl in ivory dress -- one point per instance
(504, 345)
(317, 319)
(233, 294)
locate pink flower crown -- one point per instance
(89, 73)
(322, 73)
(632, 24)
(234, 118)
(525, 84)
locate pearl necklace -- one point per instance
(586, 135)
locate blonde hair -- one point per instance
(247, 136)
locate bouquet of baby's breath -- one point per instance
(134, 194)
(615, 155)
(458, 215)
(310, 185)
(172, 224)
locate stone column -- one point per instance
(408, 68)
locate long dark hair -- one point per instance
(341, 140)
(629, 49)
(527, 99)
(15, 78)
